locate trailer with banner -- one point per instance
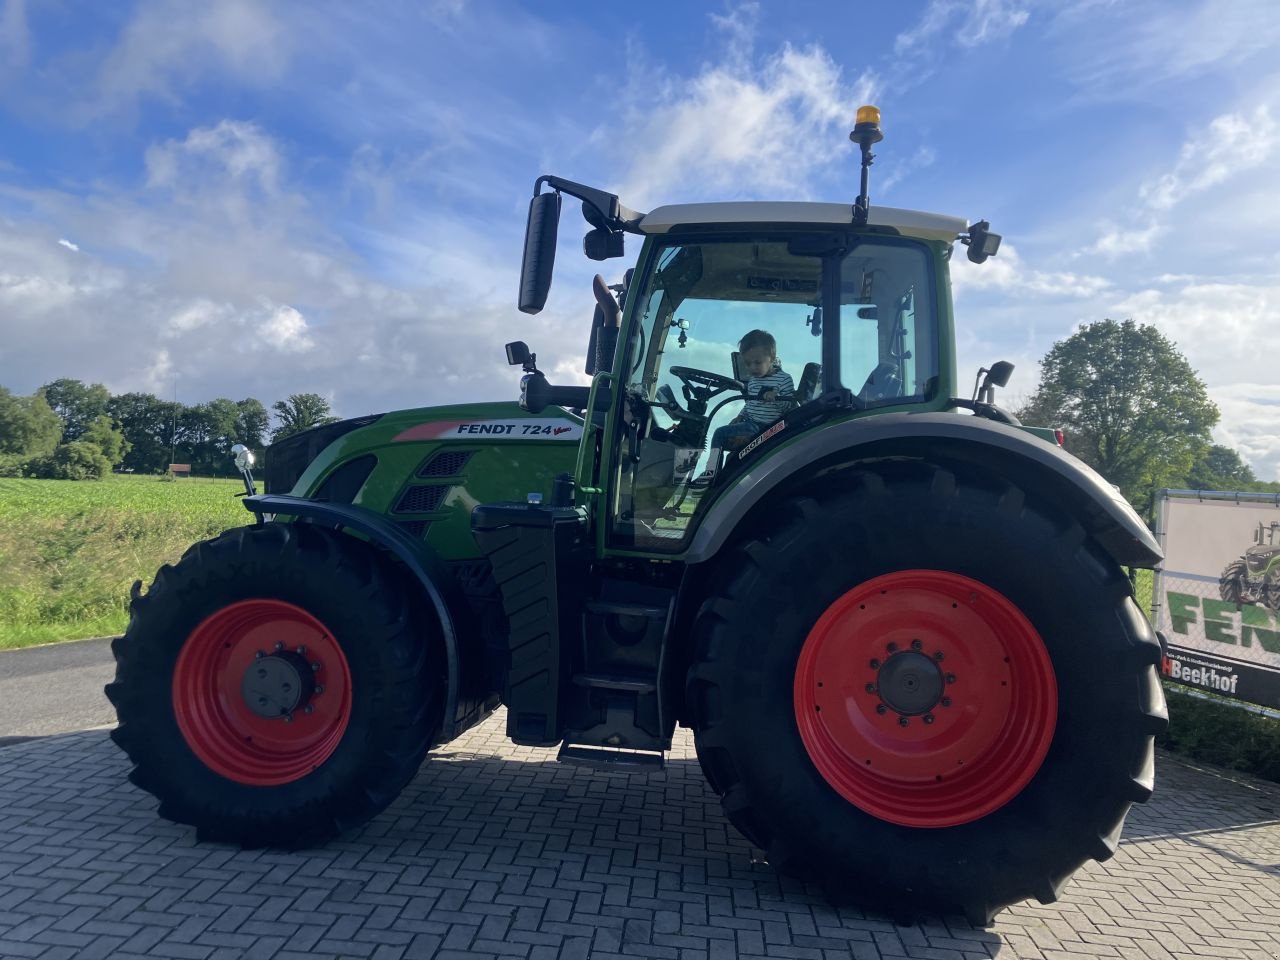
(1217, 594)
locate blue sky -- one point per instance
(254, 199)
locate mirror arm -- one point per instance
(612, 212)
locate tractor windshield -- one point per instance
(687, 357)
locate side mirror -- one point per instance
(539, 251)
(1000, 373)
(997, 376)
(243, 455)
(982, 242)
(518, 353)
(868, 311)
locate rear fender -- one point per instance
(937, 438)
(438, 584)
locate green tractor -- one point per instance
(896, 621)
(1255, 577)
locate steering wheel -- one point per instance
(691, 377)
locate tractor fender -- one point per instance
(437, 582)
(941, 438)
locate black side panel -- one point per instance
(937, 437)
(342, 485)
(284, 462)
(539, 557)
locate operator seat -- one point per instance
(808, 384)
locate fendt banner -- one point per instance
(1217, 595)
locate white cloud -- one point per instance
(971, 23)
(1233, 144)
(168, 43)
(1007, 273)
(234, 149)
(1124, 50)
(15, 43)
(62, 241)
(923, 158)
(1117, 241)
(1251, 424)
(286, 328)
(737, 127)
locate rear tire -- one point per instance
(344, 620)
(976, 850)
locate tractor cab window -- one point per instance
(888, 331)
(685, 377)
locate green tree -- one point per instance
(107, 437)
(148, 424)
(1132, 406)
(77, 404)
(251, 423)
(78, 460)
(28, 427)
(301, 411)
(1220, 468)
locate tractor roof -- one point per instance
(914, 223)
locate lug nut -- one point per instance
(903, 721)
(881, 709)
(288, 718)
(891, 647)
(951, 678)
(875, 664)
(938, 656)
(315, 668)
(319, 689)
(871, 688)
(258, 655)
(308, 709)
(916, 645)
(946, 701)
(279, 645)
(928, 718)
(302, 649)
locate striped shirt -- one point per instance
(761, 412)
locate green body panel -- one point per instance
(506, 464)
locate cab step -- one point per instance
(610, 758)
(602, 681)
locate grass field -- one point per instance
(69, 550)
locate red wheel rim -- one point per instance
(210, 704)
(925, 698)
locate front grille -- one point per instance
(445, 463)
(422, 499)
(286, 460)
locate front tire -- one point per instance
(828, 763)
(275, 687)
(1231, 585)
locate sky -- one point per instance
(232, 198)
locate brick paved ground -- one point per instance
(494, 850)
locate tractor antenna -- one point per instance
(866, 131)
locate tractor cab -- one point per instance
(1264, 556)
(854, 299)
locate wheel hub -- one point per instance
(910, 683)
(277, 685)
(262, 692)
(925, 698)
